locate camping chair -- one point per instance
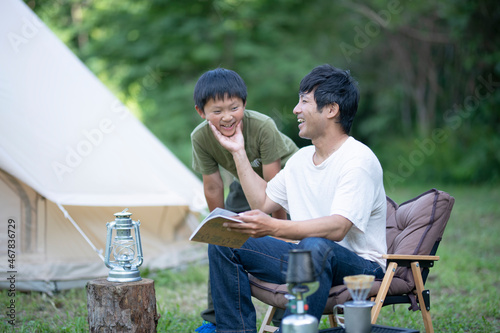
(414, 230)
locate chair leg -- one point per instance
(331, 320)
(382, 292)
(419, 284)
(266, 322)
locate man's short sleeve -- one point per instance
(276, 190)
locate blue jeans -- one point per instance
(267, 259)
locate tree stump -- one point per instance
(121, 307)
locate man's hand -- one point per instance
(257, 224)
(253, 185)
(233, 143)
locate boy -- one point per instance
(220, 98)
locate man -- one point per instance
(333, 191)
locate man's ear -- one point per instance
(333, 110)
(200, 111)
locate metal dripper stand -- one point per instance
(301, 283)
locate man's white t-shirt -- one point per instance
(349, 183)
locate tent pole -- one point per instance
(66, 215)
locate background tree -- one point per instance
(428, 71)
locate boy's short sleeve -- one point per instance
(269, 143)
(203, 162)
(272, 143)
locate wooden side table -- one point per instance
(121, 307)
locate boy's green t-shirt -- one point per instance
(264, 144)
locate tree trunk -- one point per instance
(121, 307)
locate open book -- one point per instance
(211, 230)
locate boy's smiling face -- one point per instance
(225, 114)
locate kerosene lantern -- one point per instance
(125, 249)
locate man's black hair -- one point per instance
(333, 85)
(218, 84)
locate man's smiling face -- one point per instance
(311, 121)
(225, 114)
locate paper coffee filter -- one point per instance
(359, 286)
(359, 281)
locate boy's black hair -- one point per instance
(333, 85)
(217, 84)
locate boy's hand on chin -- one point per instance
(231, 143)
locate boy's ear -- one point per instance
(200, 111)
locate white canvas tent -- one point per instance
(71, 155)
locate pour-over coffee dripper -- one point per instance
(357, 313)
(359, 286)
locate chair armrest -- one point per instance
(406, 259)
(409, 257)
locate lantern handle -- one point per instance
(139, 244)
(109, 237)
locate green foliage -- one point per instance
(421, 66)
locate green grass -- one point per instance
(38, 312)
(464, 284)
